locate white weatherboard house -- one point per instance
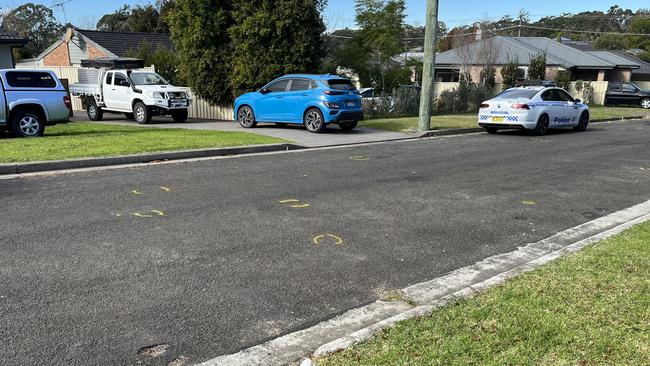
(7, 44)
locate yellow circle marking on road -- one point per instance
(319, 238)
(529, 203)
(359, 158)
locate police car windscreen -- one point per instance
(517, 93)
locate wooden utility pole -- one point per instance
(429, 70)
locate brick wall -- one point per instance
(58, 56)
(94, 53)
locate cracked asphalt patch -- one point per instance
(232, 268)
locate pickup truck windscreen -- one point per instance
(22, 79)
(147, 78)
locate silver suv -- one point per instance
(31, 100)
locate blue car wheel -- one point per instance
(246, 117)
(314, 121)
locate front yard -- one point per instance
(591, 308)
(470, 120)
(83, 140)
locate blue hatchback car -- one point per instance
(314, 101)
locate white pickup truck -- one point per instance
(139, 94)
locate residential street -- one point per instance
(214, 256)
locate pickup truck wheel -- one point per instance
(180, 116)
(27, 124)
(645, 103)
(348, 126)
(94, 112)
(141, 113)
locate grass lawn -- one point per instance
(590, 308)
(470, 120)
(81, 140)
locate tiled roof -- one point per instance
(644, 67)
(121, 44)
(6, 38)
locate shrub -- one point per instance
(563, 79)
(537, 67)
(509, 73)
(585, 91)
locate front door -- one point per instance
(271, 107)
(629, 94)
(613, 95)
(118, 95)
(571, 108)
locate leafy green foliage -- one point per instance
(537, 67)
(272, 38)
(146, 18)
(199, 29)
(610, 42)
(509, 73)
(563, 79)
(34, 22)
(116, 21)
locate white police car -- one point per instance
(534, 108)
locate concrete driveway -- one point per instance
(332, 136)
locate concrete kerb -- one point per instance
(44, 166)
(362, 323)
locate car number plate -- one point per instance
(497, 119)
(351, 104)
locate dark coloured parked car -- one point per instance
(627, 94)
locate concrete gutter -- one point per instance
(43, 166)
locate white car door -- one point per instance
(109, 90)
(120, 93)
(551, 105)
(572, 110)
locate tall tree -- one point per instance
(272, 38)
(199, 29)
(143, 19)
(34, 22)
(116, 21)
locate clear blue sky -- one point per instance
(340, 13)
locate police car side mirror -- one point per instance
(578, 101)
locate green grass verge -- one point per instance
(590, 308)
(82, 140)
(470, 120)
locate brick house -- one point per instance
(7, 44)
(79, 44)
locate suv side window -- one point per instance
(120, 80)
(109, 78)
(300, 85)
(627, 88)
(280, 86)
(30, 79)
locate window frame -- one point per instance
(115, 76)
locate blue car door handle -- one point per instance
(279, 97)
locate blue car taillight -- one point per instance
(332, 105)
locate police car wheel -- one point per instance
(491, 130)
(583, 123)
(542, 125)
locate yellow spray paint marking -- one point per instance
(136, 192)
(158, 212)
(359, 158)
(294, 203)
(137, 214)
(319, 238)
(644, 169)
(148, 215)
(165, 189)
(529, 203)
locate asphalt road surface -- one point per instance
(203, 257)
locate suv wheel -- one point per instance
(180, 116)
(583, 122)
(542, 125)
(246, 117)
(94, 112)
(645, 103)
(27, 124)
(314, 121)
(348, 126)
(141, 113)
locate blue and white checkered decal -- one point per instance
(483, 117)
(513, 118)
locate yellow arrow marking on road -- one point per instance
(137, 214)
(165, 189)
(305, 205)
(294, 203)
(158, 212)
(529, 203)
(136, 192)
(289, 200)
(319, 238)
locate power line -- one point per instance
(583, 31)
